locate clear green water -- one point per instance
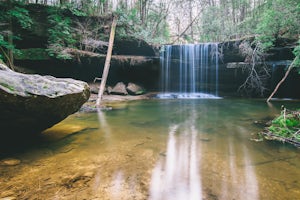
(158, 149)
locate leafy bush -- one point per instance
(60, 34)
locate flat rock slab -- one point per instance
(32, 103)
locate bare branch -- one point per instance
(257, 74)
(283, 79)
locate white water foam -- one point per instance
(187, 96)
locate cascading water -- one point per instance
(189, 71)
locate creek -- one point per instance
(158, 150)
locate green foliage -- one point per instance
(60, 34)
(4, 44)
(77, 12)
(73, 8)
(21, 15)
(286, 121)
(281, 18)
(154, 30)
(287, 125)
(12, 11)
(267, 29)
(211, 25)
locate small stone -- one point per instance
(205, 139)
(10, 162)
(135, 89)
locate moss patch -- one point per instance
(285, 128)
(11, 88)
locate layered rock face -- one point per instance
(32, 103)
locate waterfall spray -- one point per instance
(190, 71)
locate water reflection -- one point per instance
(191, 168)
(177, 176)
(239, 179)
(103, 123)
(118, 181)
(250, 185)
(159, 150)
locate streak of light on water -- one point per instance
(178, 176)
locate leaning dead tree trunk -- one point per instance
(107, 61)
(282, 80)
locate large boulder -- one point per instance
(32, 103)
(119, 89)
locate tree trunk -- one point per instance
(107, 61)
(143, 10)
(10, 51)
(191, 19)
(233, 12)
(282, 80)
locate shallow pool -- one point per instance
(158, 150)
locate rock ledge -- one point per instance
(32, 103)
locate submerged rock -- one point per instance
(32, 103)
(10, 162)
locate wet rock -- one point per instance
(94, 88)
(263, 122)
(10, 162)
(77, 181)
(109, 89)
(120, 89)
(60, 131)
(134, 89)
(32, 103)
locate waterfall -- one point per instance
(189, 71)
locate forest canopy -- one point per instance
(166, 21)
(180, 21)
